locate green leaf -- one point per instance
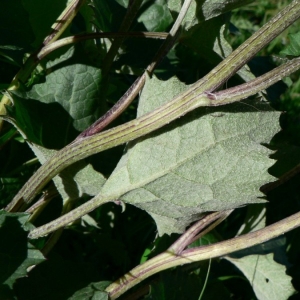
(293, 49)
(156, 17)
(16, 253)
(95, 291)
(205, 10)
(211, 159)
(267, 278)
(213, 8)
(75, 181)
(66, 103)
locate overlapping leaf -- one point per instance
(204, 10)
(211, 159)
(268, 278)
(16, 254)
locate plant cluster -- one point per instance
(130, 130)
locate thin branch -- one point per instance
(254, 86)
(138, 84)
(63, 21)
(194, 97)
(168, 259)
(87, 36)
(57, 29)
(117, 135)
(191, 234)
(126, 23)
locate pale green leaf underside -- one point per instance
(267, 278)
(76, 180)
(211, 159)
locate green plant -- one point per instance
(194, 148)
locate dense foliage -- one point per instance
(148, 189)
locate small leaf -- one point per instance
(205, 10)
(267, 278)
(94, 291)
(293, 49)
(157, 17)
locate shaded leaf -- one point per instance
(176, 285)
(108, 14)
(42, 15)
(211, 159)
(95, 291)
(267, 278)
(156, 17)
(16, 253)
(200, 11)
(66, 278)
(66, 103)
(15, 30)
(293, 49)
(75, 181)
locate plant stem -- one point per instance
(168, 259)
(256, 85)
(139, 83)
(191, 234)
(132, 10)
(119, 134)
(196, 96)
(87, 36)
(63, 21)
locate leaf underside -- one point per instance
(210, 160)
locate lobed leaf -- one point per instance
(210, 160)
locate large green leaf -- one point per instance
(66, 103)
(211, 159)
(267, 277)
(16, 254)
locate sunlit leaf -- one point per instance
(211, 159)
